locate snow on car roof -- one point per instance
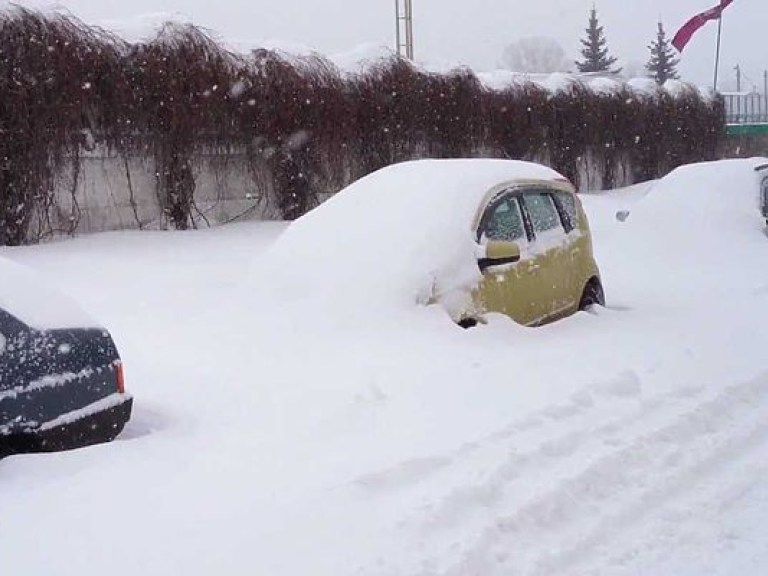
(396, 236)
(33, 299)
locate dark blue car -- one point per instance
(60, 388)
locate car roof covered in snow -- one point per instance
(703, 222)
(703, 204)
(33, 298)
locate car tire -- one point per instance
(593, 295)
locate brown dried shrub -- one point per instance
(294, 114)
(181, 104)
(65, 87)
(55, 93)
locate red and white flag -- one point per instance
(691, 27)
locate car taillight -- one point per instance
(119, 374)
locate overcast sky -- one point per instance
(472, 32)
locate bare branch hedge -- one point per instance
(66, 87)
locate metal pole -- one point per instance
(404, 28)
(719, 36)
(410, 29)
(765, 97)
(397, 26)
(738, 93)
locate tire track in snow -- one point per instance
(546, 423)
(605, 496)
(539, 447)
(695, 521)
(560, 433)
(553, 434)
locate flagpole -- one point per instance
(719, 35)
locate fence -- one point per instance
(746, 107)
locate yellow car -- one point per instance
(538, 264)
(470, 236)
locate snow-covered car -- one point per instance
(61, 378)
(476, 236)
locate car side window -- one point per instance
(504, 221)
(542, 211)
(568, 204)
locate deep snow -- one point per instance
(630, 441)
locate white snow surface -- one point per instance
(269, 439)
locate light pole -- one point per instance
(404, 28)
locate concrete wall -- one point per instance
(116, 193)
(111, 192)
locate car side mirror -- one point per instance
(622, 215)
(498, 253)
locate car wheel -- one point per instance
(593, 295)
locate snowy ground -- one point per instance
(632, 441)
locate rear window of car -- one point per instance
(568, 204)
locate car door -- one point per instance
(510, 288)
(549, 253)
(574, 274)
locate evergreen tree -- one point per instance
(594, 50)
(662, 65)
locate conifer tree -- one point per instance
(594, 49)
(662, 64)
